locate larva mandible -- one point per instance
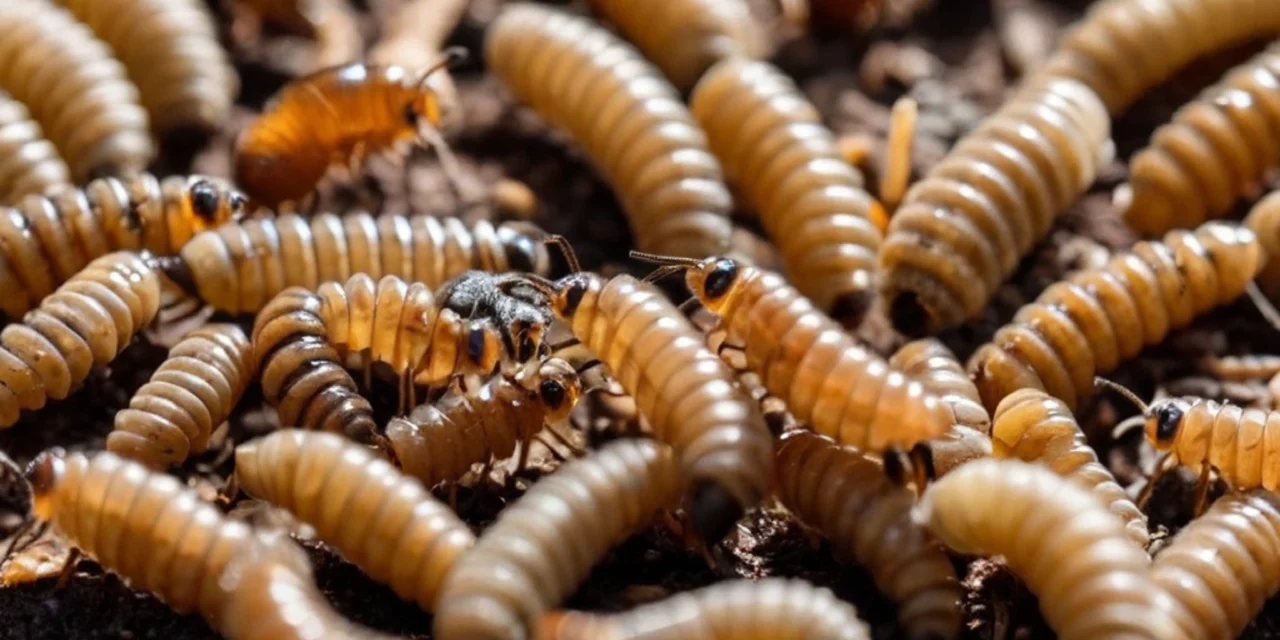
(962, 229)
(385, 522)
(684, 38)
(440, 442)
(1264, 220)
(46, 240)
(811, 202)
(170, 49)
(192, 392)
(1222, 567)
(29, 164)
(544, 545)
(1216, 149)
(238, 268)
(769, 609)
(630, 120)
(1072, 552)
(74, 87)
(1090, 322)
(83, 325)
(936, 367)
(1243, 368)
(867, 518)
(1034, 427)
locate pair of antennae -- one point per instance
(668, 265)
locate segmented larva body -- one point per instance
(1122, 48)
(74, 87)
(385, 522)
(936, 367)
(962, 229)
(544, 545)
(1071, 551)
(867, 518)
(1033, 427)
(688, 395)
(1243, 445)
(83, 325)
(47, 240)
(1090, 322)
(238, 268)
(629, 119)
(686, 37)
(171, 51)
(441, 442)
(1244, 368)
(785, 162)
(29, 164)
(769, 609)
(1264, 220)
(960, 445)
(1223, 566)
(192, 392)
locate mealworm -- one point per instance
(83, 325)
(385, 522)
(29, 164)
(1071, 551)
(632, 123)
(1090, 322)
(74, 87)
(172, 416)
(1264, 220)
(1244, 368)
(170, 49)
(684, 38)
(1223, 566)
(962, 229)
(769, 609)
(238, 268)
(935, 366)
(545, 544)
(47, 240)
(786, 164)
(867, 517)
(441, 442)
(1034, 427)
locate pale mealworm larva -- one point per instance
(1243, 368)
(385, 522)
(192, 392)
(962, 229)
(74, 87)
(83, 325)
(811, 201)
(544, 545)
(1034, 427)
(769, 609)
(29, 164)
(1264, 220)
(867, 518)
(630, 120)
(1243, 445)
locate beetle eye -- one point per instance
(410, 115)
(720, 278)
(552, 393)
(204, 200)
(1168, 418)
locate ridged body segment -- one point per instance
(1264, 220)
(29, 163)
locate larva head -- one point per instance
(44, 474)
(483, 349)
(210, 202)
(714, 281)
(559, 388)
(1164, 417)
(569, 292)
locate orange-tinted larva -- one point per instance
(1095, 319)
(74, 87)
(769, 609)
(1223, 566)
(238, 268)
(440, 442)
(687, 37)
(83, 325)
(867, 518)
(1032, 426)
(1216, 150)
(1264, 220)
(785, 162)
(936, 367)
(544, 545)
(1071, 551)
(46, 240)
(192, 392)
(963, 228)
(385, 522)
(29, 164)
(629, 119)
(171, 51)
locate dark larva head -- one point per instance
(570, 291)
(713, 511)
(1164, 418)
(43, 474)
(712, 280)
(559, 388)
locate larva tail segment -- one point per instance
(386, 523)
(172, 416)
(29, 163)
(848, 499)
(742, 609)
(963, 228)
